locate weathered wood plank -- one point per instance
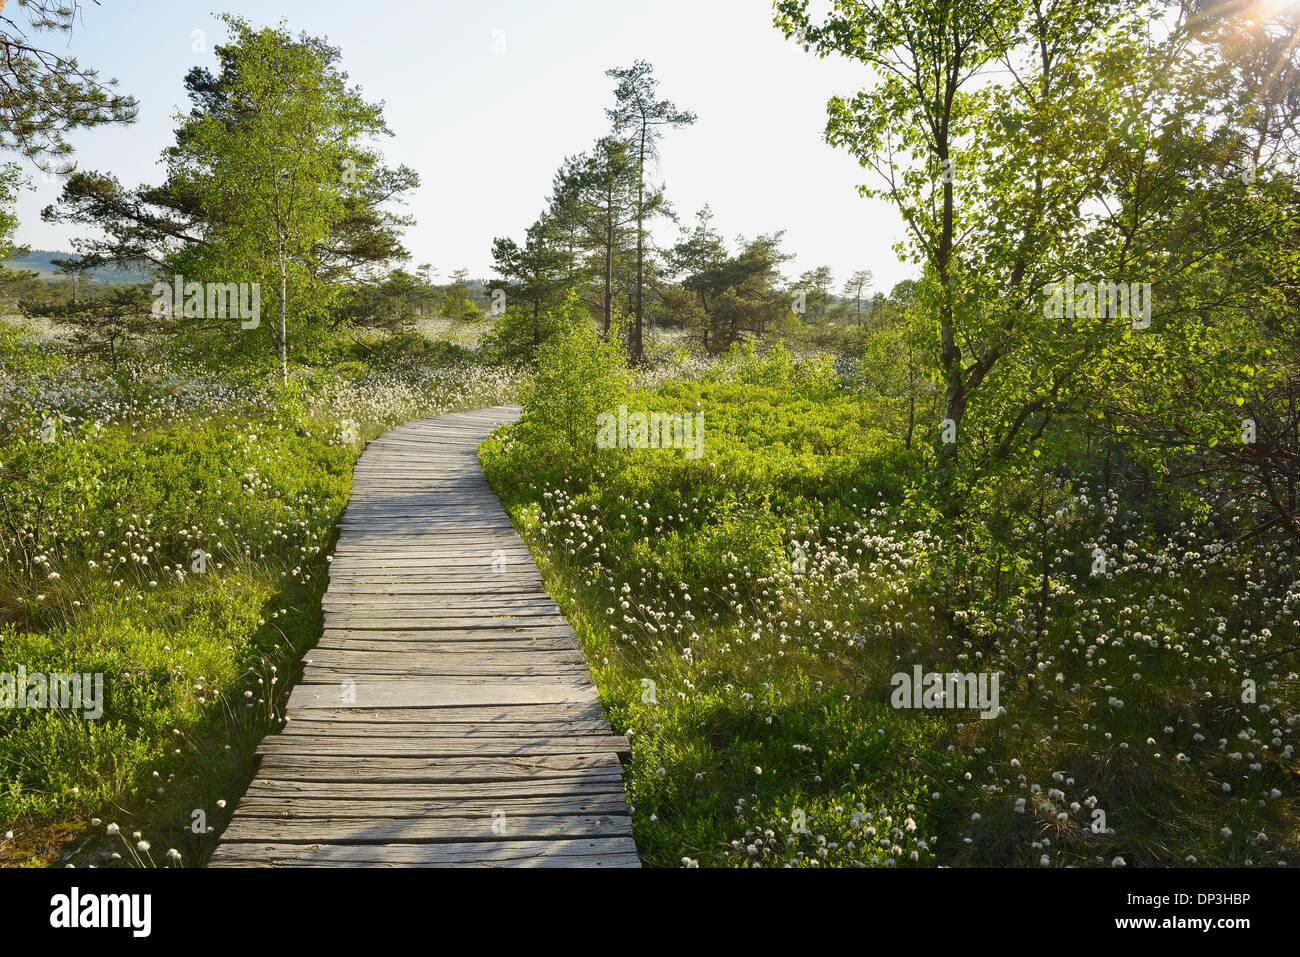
(484, 717)
(597, 781)
(486, 826)
(399, 605)
(421, 746)
(297, 809)
(321, 674)
(424, 631)
(338, 728)
(332, 767)
(604, 852)
(357, 645)
(423, 692)
(523, 655)
(501, 625)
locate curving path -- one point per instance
(447, 716)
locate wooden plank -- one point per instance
(355, 590)
(297, 809)
(321, 674)
(599, 781)
(484, 717)
(522, 656)
(500, 625)
(482, 827)
(424, 565)
(423, 746)
(338, 728)
(332, 767)
(361, 646)
(601, 852)
(427, 631)
(497, 592)
(421, 605)
(423, 692)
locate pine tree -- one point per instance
(640, 117)
(595, 201)
(45, 95)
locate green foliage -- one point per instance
(456, 302)
(272, 181)
(593, 205)
(270, 205)
(47, 94)
(774, 367)
(10, 183)
(539, 273)
(108, 324)
(519, 332)
(640, 118)
(735, 296)
(744, 614)
(390, 306)
(579, 376)
(18, 358)
(100, 532)
(1132, 170)
(169, 529)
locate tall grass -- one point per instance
(745, 616)
(169, 527)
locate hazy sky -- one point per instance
(487, 98)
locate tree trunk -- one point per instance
(955, 393)
(911, 395)
(284, 335)
(637, 354)
(609, 276)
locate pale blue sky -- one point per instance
(486, 98)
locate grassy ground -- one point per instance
(114, 485)
(745, 613)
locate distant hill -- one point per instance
(41, 261)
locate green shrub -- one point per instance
(579, 376)
(518, 333)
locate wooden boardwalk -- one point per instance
(447, 716)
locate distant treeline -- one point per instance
(41, 261)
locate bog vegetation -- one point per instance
(1001, 468)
